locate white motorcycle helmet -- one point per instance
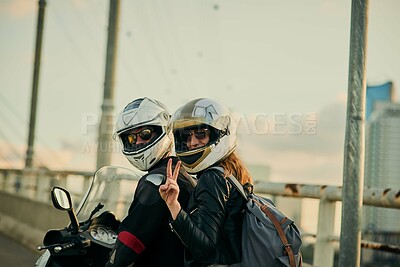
(150, 114)
(199, 114)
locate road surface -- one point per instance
(12, 254)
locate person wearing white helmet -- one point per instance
(144, 236)
(205, 142)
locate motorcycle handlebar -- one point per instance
(58, 247)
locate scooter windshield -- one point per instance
(112, 187)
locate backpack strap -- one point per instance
(233, 181)
(278, 227)
(238, 186)
(188, 177)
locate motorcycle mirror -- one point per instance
(62, 201)
(61, 198)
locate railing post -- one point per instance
(59, 180)
(10, 182)
(28, 183)
(3, 180)
(43, 187)
(324, 250)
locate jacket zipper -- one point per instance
(173, 230)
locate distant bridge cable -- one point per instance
(126, 67)
(150, 41)
(185, 69)
(169, 54)
(5, 161)
(16, 128)
(68, 36)
(17, 153)
(11, 146)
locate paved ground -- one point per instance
(13, 254)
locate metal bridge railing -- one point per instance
(36, 184)
(328, 196)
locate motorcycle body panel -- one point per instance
(111, 192)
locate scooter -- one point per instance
(89, 239)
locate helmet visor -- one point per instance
(134, 140)
(204, 134)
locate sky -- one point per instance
(280, 66)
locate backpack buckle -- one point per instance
(285, 250)
(248, 188)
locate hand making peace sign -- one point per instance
(170, 190)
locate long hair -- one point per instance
(233, 165)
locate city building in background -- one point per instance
(382, 170)
(377, 94)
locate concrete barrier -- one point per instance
(26, 220)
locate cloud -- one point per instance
(18, 8)
(294, 154)
(79, 4)
(342, 97)
(13, 156)
(298, 148)
(296, 131)
(331, 8)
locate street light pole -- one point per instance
(106, 122)
(353, 170)
(35, 86)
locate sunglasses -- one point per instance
(200, 134)
(144, 134)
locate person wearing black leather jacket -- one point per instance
(205, 141)
(144, 236)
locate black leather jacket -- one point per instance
(145, 238)
(211, 229)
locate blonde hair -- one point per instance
(233, 165)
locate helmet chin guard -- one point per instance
(196, 114)
(145, 112)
